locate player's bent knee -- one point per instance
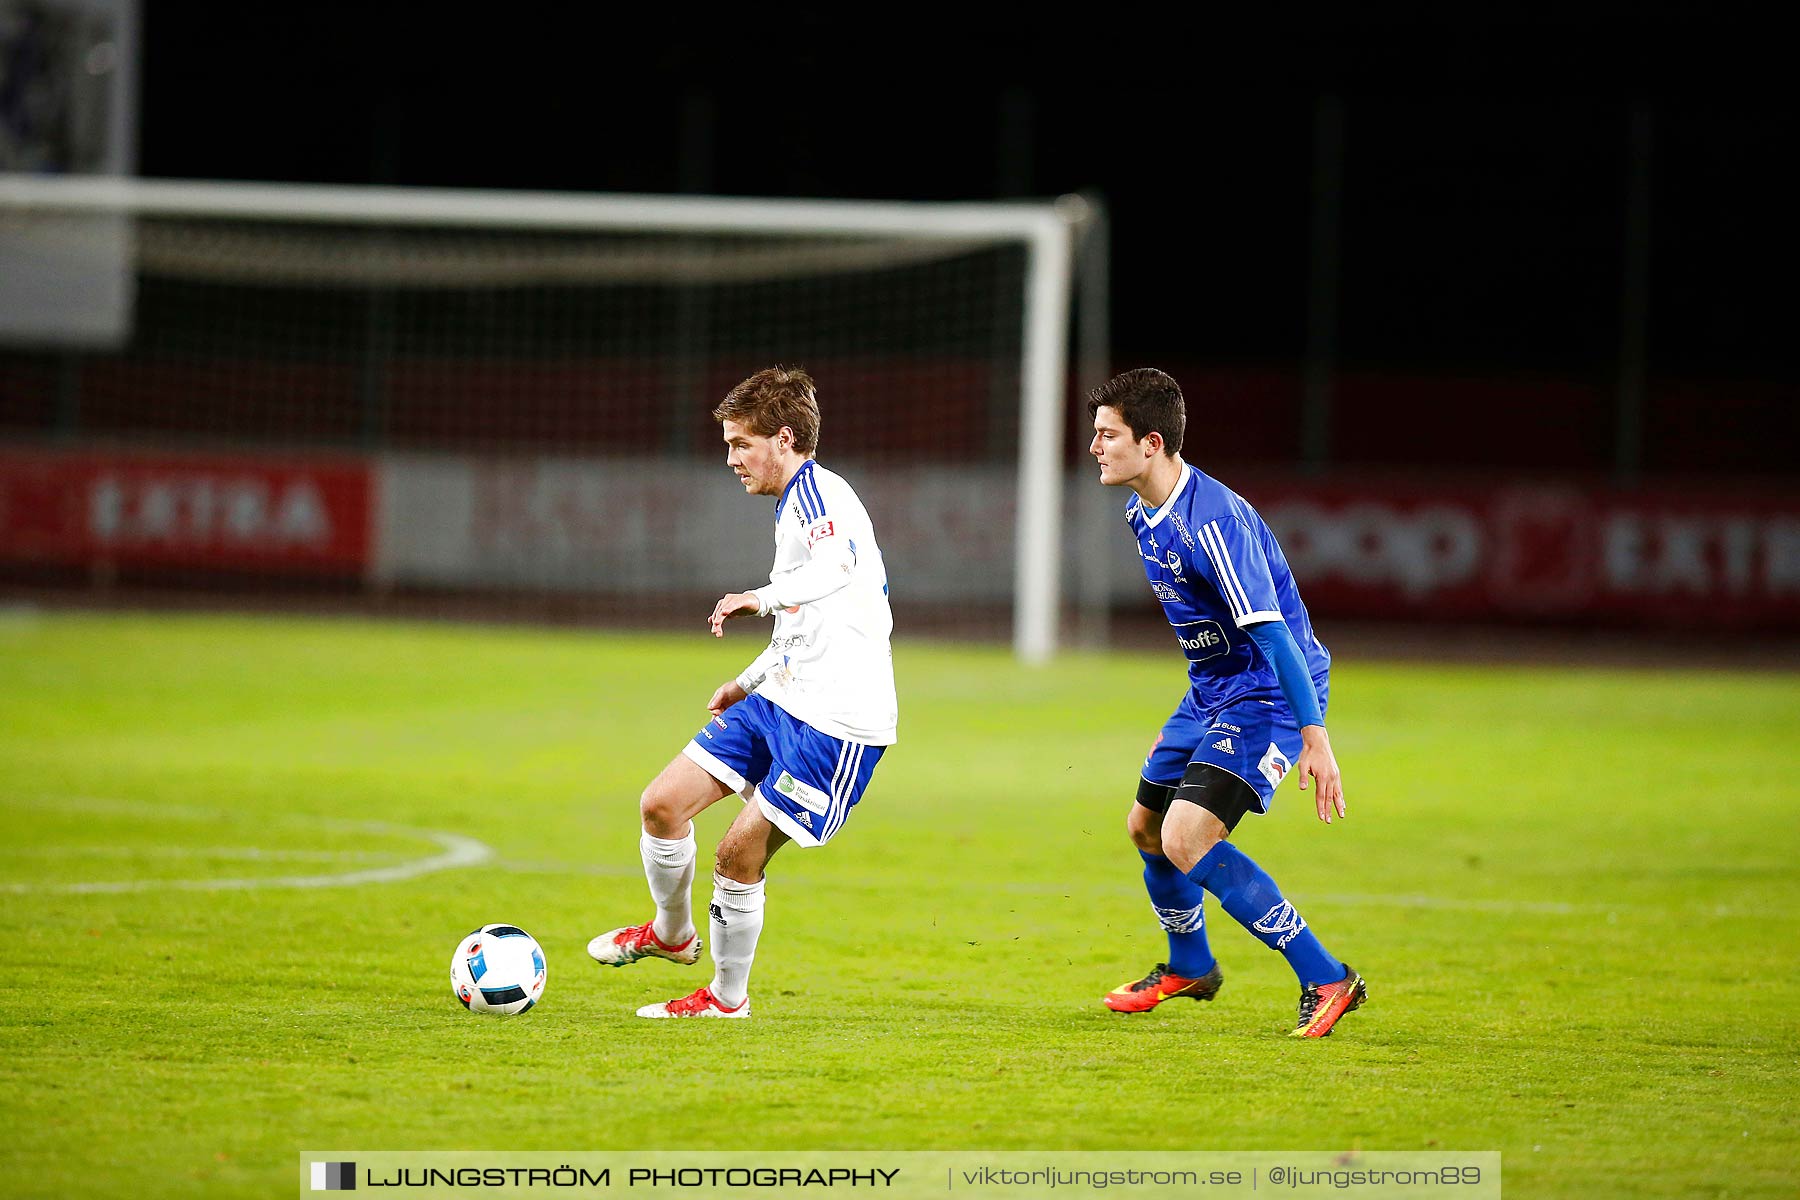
(1148, 843)
(1186, 847)
(737, 862)
(662, 812)
(1144, 822)
(1145, 836)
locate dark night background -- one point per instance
(1483, 201)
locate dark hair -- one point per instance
(771, 398)
(1148, 401)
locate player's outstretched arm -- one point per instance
(1319, 763)
(732, 604)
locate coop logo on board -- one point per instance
(1373, 544)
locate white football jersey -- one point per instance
(829, 663)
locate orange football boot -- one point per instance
(1322, 1004)
(1142, 995)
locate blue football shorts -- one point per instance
(1255, 740)
(804, 781)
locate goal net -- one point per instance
(503, 399)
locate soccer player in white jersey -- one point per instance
(1258, 681)
(799, 732)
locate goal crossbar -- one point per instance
(454, 207)
(1046, 230)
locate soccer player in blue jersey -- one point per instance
(1258, 679)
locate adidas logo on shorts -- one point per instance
(1223, 745)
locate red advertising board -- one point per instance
(1540, 552)
(1367, 548)
(298, 516)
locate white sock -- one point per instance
(737, 921)
(669, 866)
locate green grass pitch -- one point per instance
(1573, 894)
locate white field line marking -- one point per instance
(458, 851)
(561, 868)
(237, 853)
(455, 851)
(1611, 911)
(1555, 908)
(1388, 900)
(1552, 907)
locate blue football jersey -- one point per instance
(1215, 566)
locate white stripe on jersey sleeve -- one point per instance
(1237, 583)
(1221, 561)
(1212, 556)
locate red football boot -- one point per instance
(1142, 995)
(617, 947)
(1321, 1005)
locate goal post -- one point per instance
(898, 276)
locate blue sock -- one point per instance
(1251, 897)
(1179, 905)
